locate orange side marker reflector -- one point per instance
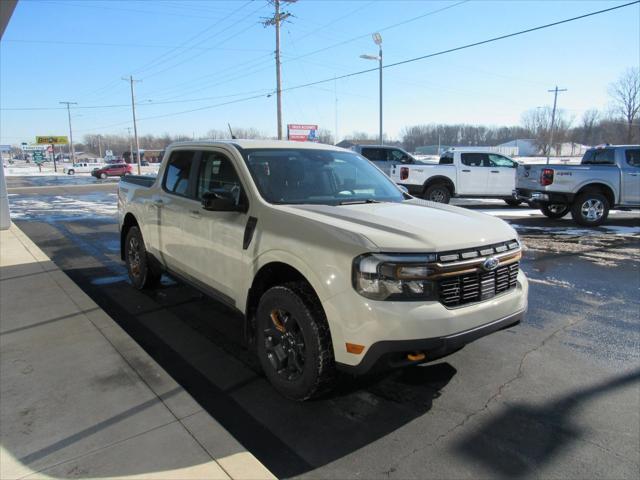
(354, 348)
(414, 357)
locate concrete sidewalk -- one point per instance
(80, 398)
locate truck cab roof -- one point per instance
(248, 143)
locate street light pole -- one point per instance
(377, 39)
(380, 56)
(73, 152)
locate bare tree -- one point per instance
(625, 95)
(538, 122)
(325, 136)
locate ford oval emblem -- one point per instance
(490, 264)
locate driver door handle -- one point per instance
(495, 171)
(158, 202)
(466, 171)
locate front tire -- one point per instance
(590, 209)
(438, 193)
(103, 176)
(141, 273)
(293, 342)
(554, 210)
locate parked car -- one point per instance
(330, 263)
(113, 170)
(383, 156)
(608, 176)
(80, 167)
(465, 173)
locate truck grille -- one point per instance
(478, 286)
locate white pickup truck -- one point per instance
(330, 264)
(460, 173)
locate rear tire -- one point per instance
(438, 193)
(293, 342)
(512, 202)
(71, 172)
(554, 210)
(141, 272)
(590, 209)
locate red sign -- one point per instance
(302, 133)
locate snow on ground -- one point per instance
(61, 207)
(568, 230)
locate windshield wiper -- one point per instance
(356, 202)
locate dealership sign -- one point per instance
(302, 133)
(33, 148)
(52, 140)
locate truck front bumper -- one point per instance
(390, 332)
(394, 354)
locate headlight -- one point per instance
(394, 277)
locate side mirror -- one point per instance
(404, 189)
(216, 202)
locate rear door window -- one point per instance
(475, 159)
(375, 154)
(601, 156)
(176, 179)
(633, 157)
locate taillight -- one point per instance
(546, 177)
(404, 173)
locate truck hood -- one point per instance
(414, 225)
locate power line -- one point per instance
(469, 45)
(157, 61)
(392, 65)
(132, 45)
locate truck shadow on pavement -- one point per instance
(198, 342)
(525, 437)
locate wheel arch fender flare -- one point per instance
(602, 186)
(440, 180)
(286, 267)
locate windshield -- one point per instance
(294, 176)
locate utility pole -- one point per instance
(553, 118)
(131, 81)
(73, 152)
(130, 143)
(276, 20)
(335, 94)
(100, 146)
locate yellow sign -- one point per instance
(52, 140)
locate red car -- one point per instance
(113, 170)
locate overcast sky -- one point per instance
(200, 54)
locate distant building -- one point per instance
(526, 147)
(431, 149)
(352, 143)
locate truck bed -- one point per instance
(141, 180)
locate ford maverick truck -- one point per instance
(330, 263)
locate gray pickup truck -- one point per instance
(607, 177)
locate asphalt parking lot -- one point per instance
(556, 396)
